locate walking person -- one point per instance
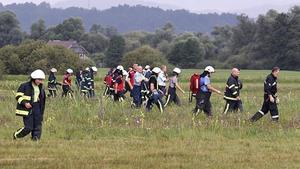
(161, 80)
(67, 82)
(205, 90)
(232, 93)
(31, 105)
(86, 84)
(172, 95)
(270, 98)
(155, 97)
(137, 87)
(52, 83)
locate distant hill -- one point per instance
(125, 18)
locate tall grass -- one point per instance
(98, 133)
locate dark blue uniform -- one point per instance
(154, 95)
(52, 85)
(32, 118)
(233, 87)
(270, 88)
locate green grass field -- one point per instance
(98, 133)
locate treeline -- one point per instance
(272, 39)
(124, 17)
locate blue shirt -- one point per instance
(204, 81)
(137, 78)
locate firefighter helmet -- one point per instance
(37, 74)
(210, 69)
(177, 70)
(156, 70)
(70, 71)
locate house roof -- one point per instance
(71, 44)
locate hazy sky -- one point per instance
(246, 6)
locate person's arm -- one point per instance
(211, 88)
(232, 87)
(21, 98)
(178, 86)
(268, 85)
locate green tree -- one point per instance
(10, 32)
(109, 31)
(38, 29)
(144, 55)
(71, 28)
(94, 43)
(115, 51)
(186, 54)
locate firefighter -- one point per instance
(194, 86)
(232, 92)
(155, 96)
(52, 83)
(205, 90)
(86, 84)
(270, 98)
(108, 82)
(147, 71)
(137, 88)
(172, 96)
(161, 80)
(67, 82)
(78, 78)
(92, 71)
(131, 73)
(31, 105)
(119, 86)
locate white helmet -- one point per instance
(53, 70)
(70, 71)
(177, 70)
(87, 69)
(156, 70)
(125, 73)
(147, 67)
(37, 74)
(94, 69)
(120, 67)
(209, 69)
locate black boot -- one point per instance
(256, 117)
(21, 133)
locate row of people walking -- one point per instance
(31, 95)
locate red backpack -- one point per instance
(194, 83)
(108, 80)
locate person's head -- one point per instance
(209, 70)
(139, 69)
(163, 68)
(147, 67)
(37, 77)
(134, 66)
(235, 72)
(176, 71)
(120, 67)
(69, 71)
(94, 69)
(156, 71)
(53, 70)
(275, 71)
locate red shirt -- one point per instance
(67, 80)
(120, 83)
(131, 77)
